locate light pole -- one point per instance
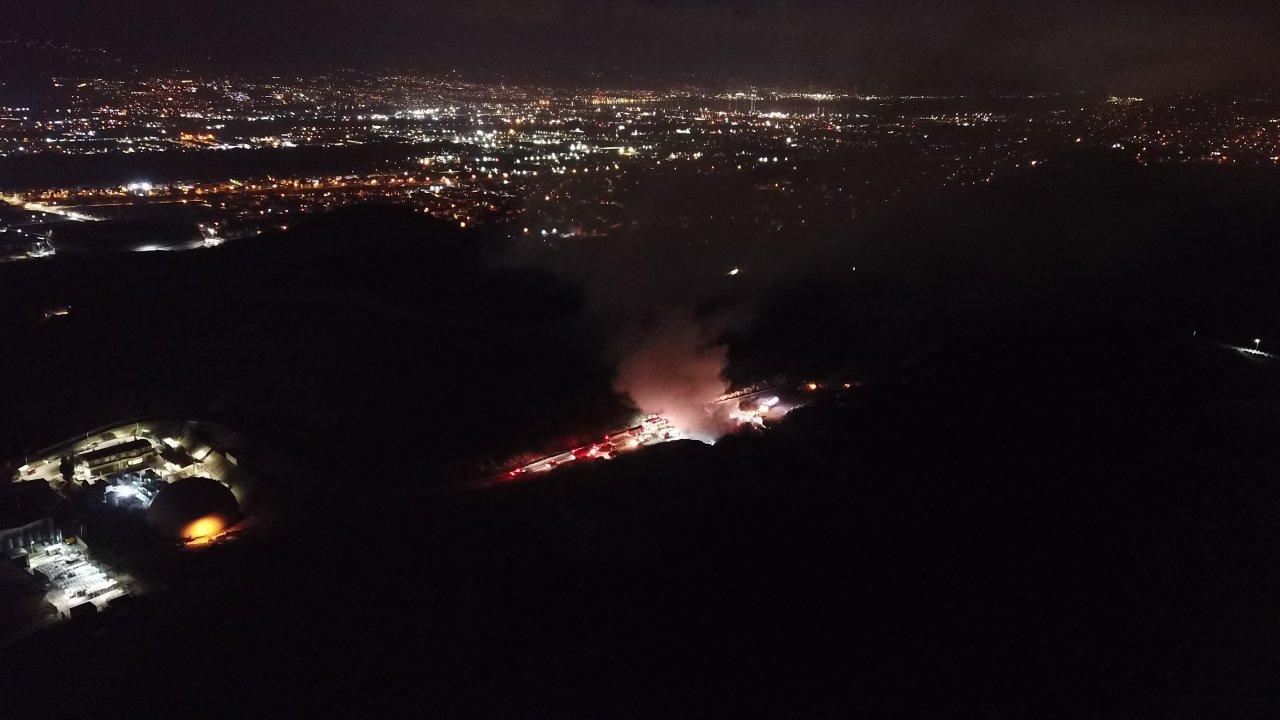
(1257, 344)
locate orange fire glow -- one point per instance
(205, 526)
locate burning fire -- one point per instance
(755, 412)
(674, 371)
(204, 527)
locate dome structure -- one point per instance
(193, 508)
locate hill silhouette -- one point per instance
(369, 340)
(1053, 496)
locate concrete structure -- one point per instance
(72, 578)
(117, 456)
(192, 508)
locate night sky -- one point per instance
(1146, 46)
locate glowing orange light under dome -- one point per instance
(204, 527)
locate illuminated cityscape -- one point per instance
(237, 158)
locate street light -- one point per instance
(1257, 343)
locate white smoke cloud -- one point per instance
(674, 369)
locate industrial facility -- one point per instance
(193, 508)
(75, 518)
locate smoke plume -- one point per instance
(674, 369)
